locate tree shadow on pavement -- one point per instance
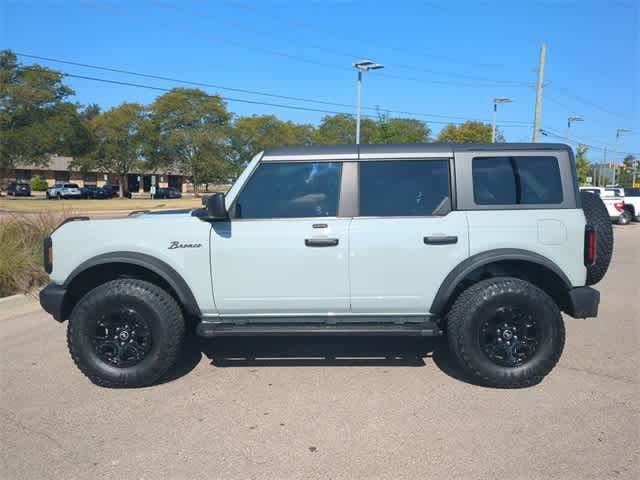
(306, 351)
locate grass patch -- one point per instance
(32, 205)
(21, 254)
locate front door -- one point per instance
(406, 238)
(285, 251)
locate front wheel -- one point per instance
(505, 332)
(125, 333)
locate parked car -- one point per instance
(19, 189)
(167, 192)
(111, 190)
(92, 191)
(483, 243)
(614, 203)
(64, 190)
(632, 198)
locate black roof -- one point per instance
(444, 148)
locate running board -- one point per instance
(210, 329)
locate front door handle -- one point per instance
(321, 242)
(441, 240)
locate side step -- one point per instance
(210, 329)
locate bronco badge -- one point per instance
(176, 244)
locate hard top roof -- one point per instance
(415, 149)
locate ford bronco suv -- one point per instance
(484, 243)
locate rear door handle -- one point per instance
(321, 242)
(441, 240)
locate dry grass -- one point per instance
(21, 239)
(34, 205)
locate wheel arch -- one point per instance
(101, 268)
(523, 264)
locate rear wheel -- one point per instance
(624, 218)
(505, 332)
(125, 333)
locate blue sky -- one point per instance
(443, 59)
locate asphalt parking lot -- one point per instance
(325, 408)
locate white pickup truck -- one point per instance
(631, 197)
(614, 202)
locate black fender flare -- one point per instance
(160, 268)
(455, 276)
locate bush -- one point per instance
(38, 184)
(21, 239)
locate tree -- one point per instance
(189, 131)
(469, 131)
(35, 118)
(90, 112)
(38, 184)
(400, 130)
(629, 164)
(253, 134)
(341, 128)
(582, 164)
(118, 141)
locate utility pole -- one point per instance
(538, 109)
(605, 160)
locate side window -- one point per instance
(516, 180)
(288, 190)
(404, 188)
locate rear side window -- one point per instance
(70, 185)
(404, 188)
(288, 190)
(516, 180)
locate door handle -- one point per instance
(321, 242)
(441, 240)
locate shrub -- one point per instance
(21, 239)
(38, 184)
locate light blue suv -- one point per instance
(484, 243)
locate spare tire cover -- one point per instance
(597, 216)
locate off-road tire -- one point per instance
(624, 218)
(468, 313)
(597, 216)
(159, 309)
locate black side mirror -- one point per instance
(216, 209)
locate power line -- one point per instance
(254, 92)
(285, 55)
(332, 51)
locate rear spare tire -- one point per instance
(597, 216)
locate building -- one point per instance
(60, 170)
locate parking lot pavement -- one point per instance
(327, 408)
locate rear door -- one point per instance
(407, 236)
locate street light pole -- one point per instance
(496, 101)
(362, 66)
(618, 132)
(572, 118)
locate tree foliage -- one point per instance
(118, 142)
(341, 128)
(400, 130)
(188, 132)
(253, 134)
(38, 184)
(36, 119)
(582, 164)
(629, 164)
(469, 131)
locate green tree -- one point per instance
(253, 134)
(469, 131)
(582, 164)
(118, 142)
(629, 164)
(38, 184)
(90, 112)
(341, 128)
(400, 130)
(36, 120)
(189, 131)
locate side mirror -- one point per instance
(215, 206)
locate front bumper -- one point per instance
(52, 300)
(583, 302)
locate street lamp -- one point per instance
(618, 132)
(496, 101)
(572, 118)
(362, 66)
